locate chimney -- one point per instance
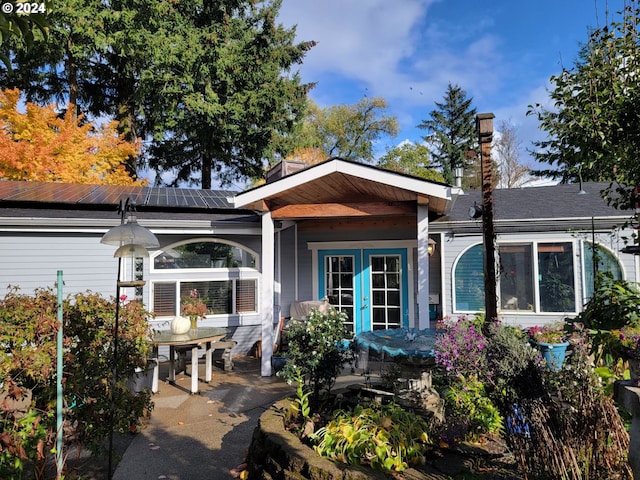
(284, 168)
(458, 172)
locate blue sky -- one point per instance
(501, 52)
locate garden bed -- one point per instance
(277, 454)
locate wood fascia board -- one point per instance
(317, 172)
(417, 185)
(327, 210)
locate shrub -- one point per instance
(511, 364)
(470, 413)
(28, 335)
(613, 307)
(614, 304)
(316, 349)
(385, 437)
(461, 348)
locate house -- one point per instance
(389, 249)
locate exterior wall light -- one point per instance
(431, 248)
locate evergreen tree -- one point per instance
(451, 134)
(229, 99)
(206, 83)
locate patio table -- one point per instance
(203, 335)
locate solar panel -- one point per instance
(112, 194)
(216, 198)
(10, 188)
(53, 193)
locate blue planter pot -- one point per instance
(553, 353)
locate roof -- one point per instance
(339, 181)
(541, 205)
(66, 195)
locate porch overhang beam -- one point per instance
(332, 210)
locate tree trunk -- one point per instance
(207, 165)
(71, 69)
(125, 109)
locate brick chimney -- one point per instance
(284, 168)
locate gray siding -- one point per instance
(288, 269)
(31, 261)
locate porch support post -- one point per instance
(267, 289)
(423, 267)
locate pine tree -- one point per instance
(451, 133)
(230, 100)
(206, 83)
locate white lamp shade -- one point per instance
(130, 233)
(131, 250)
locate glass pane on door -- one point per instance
(386, 304)
(339, 274)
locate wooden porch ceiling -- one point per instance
(341, 195)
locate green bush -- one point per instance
(385, 437)
(28, 335)
(469, 411)
(317, 351)
(614, 304)
(613, 309)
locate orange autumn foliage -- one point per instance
(39, 145)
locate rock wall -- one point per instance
(276, 454)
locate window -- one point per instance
(469, 280)
(205, 254)
(556, 277)
(534, 276)
(516, 277)
(339, 275)
(605, 261)
(224, 297)
(223, 274)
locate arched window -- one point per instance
(534, 276)
(468, 276)
(204, 254)
(222, 272)
(604, 261)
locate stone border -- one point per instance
(276, 454)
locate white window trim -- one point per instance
(154, 270)
(578, 273)
(409, 245)
(179, 275)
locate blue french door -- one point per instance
(369, 285)
(385, 283)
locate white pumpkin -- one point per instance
(180, 325)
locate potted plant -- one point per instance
(550, 339)
(194, 308)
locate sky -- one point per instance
(502, 53)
